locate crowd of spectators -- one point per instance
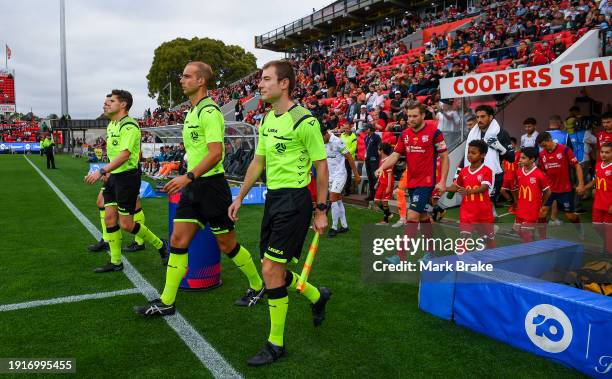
(373, 81)
(19, 131)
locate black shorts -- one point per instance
(205, 201)
(122, 190)
(285, 223)
(565, 201)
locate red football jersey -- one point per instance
(602, 137)
(385, 177)
(532, 185)
(603, 186)
(421, 149)
(475, 208)
(556, 166)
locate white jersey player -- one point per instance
(337, 152)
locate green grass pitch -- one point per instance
(370, 330)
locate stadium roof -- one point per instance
(337, 17)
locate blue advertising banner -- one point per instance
(19, 147)
(257, 195)
(558, 322)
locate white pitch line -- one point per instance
(206, 353)
(66, 299)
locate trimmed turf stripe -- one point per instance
(66, 299)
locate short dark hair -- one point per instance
(123, 96)
(606, 116)
(416, 105)
(284, 70)
(512, 139)
(543, 137)
(386, 148)
(480, 145)
(485, 108)
(530, 120)
(204, 70)
(530, 152)
(607, 144)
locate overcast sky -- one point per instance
(110, 43)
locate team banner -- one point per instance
(19, 146)
(589, 72)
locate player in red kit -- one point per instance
(420, 144)
(556, 160)
(602, 205)
(474, 182)
(606, 134)
(533, 192)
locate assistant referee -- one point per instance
(290, 142)
(123, 185)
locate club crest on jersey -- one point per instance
(559, 156)
(194, 136)
(115, 142)
(532, 180)
(425, 138)
(479, 177)
(608, 172)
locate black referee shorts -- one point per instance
(122, 190)
(205, 201)
(285, 223)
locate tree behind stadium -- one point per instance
(229, 63)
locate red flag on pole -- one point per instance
(8, 51)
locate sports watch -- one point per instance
(190, 176)
(102, 171)
(321, 206)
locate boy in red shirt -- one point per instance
(602, 205)
(533, 192)
(555, 161)
(474, 182)
(509, 188)
(384, 185)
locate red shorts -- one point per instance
(510, 184)
(601, 216)
(380, 194)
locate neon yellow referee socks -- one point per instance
(243, 260)
(177, 267)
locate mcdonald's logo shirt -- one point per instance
(475, 208)
(556, 166)
(603, 186)
(531, 186)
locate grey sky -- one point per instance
(110, 43)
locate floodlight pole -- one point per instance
(63, 59)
